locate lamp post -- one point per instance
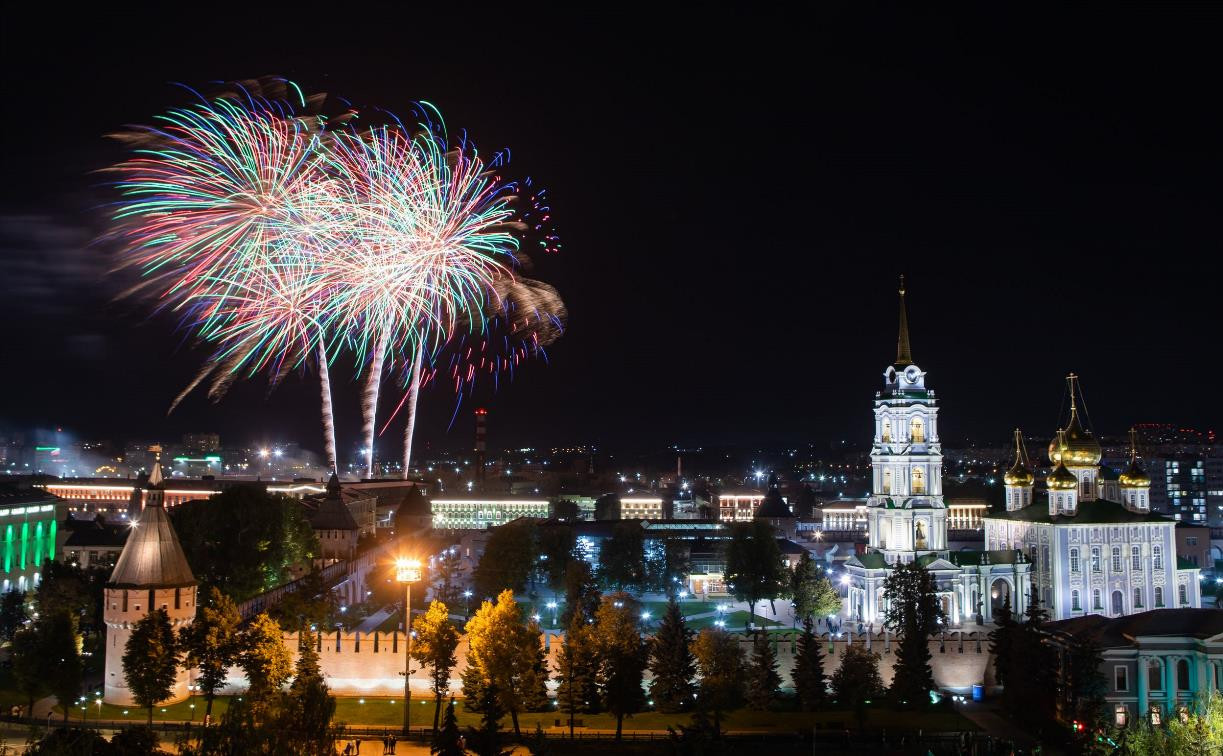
(407, 571)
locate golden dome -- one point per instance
(1062, 479)
(1019, 475)
(1075, 446)
(1135, 477)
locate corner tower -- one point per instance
(906, 514)
(152, 573)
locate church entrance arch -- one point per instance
(1000, 593)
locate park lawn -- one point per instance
(734, 621)
(686, 608)
(9, 695)
(388, 712)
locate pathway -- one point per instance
(371, 623)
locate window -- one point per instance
(1135, 559)
(1074, 601)
(178, 598)
(1074, 560)
(887, 481)
(1155, 675)
(1095, 599)
(919, 481)
(1159, 596)
(125, 601)
(887, 430)
(1121, 679)
(1191, 540)
(1157, 557)
(1095, 559)
(1182, 594)
(1116, 559)
(1120, 715)
(917, 429)
(1137, 598)
(1182, 675)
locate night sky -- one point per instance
(737, 195)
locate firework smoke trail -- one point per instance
(413, 395)
(324, 376)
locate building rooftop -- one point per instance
(1122, 631)
(152, 557)
(1096, 511)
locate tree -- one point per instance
(68, 588)
(311, 604)
(622, 657)
(762, 678)
(577, 668)
(150, 660)
(671, 662)
(813, 594)
(1199, 734)
(436, 641)
(307, 709)
(1001, 639)
(509, 559)
(12, 613)
(29, 665)
(856, 681)
(486, 741)
(581, 592)
(264, 659)
(1086, 685)
(244, 540)
(914, 612)
(810, 682)
(720, 663)
(448, 741)
(501, 654)
(754, 568)
(134, 741)
(556, 545)
(211, 643)
(59, 646)
(536, 675)
(666, 564)
(622, 557)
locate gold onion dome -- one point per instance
(1019, 475)
(1075, 446)
(1135, 477)
(1062, 479)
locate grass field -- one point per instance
(389, 712)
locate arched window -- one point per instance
(887, 481)
(1095, 559)
(919, 481)
(1182, 675)
(1137, 598)
(917, 430)
(1116, 559)
(1157, 557)
(1074, 560)
(1135, 559)
(1074, 601)
(1159, 596)
(1155, 675)
(1095, 599)
(887, 430)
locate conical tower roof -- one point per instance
(152, 556)
(773, 506)
(904, 354)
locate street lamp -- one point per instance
(407, 571)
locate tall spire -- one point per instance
(903, 354)
(1133, 445)
(155, 477)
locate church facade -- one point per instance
(1074, 550)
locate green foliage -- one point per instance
(310, 604)
(810, 682)
(509, 559)
(448, 741)
(264, 658)
(436, 641)
(754, 567)
(12, 613)
(60, 648)
(1000, 641)
(720, 663)
(135, 741)
(28, 665)
(64, 741)
(581, 591)
(556, 546)
(622, 656)
(857, 680)
(666, 564)
(622, 557)
(535, 678)
(1201, 734)
(502, 655)
(210, 643)
(1085, 684)
(244, 540)
(486, 741)
(150, 660)
(307, 708)
(762, 678)
(914, 612)
(68, 588)
(813, 594)
(577, 666)
(671, 662)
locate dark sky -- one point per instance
(736, 193)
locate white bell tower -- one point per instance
(906, 514)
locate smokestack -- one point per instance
(481, 443)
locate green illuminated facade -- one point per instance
(29, 524)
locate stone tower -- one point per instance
(152, 573)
